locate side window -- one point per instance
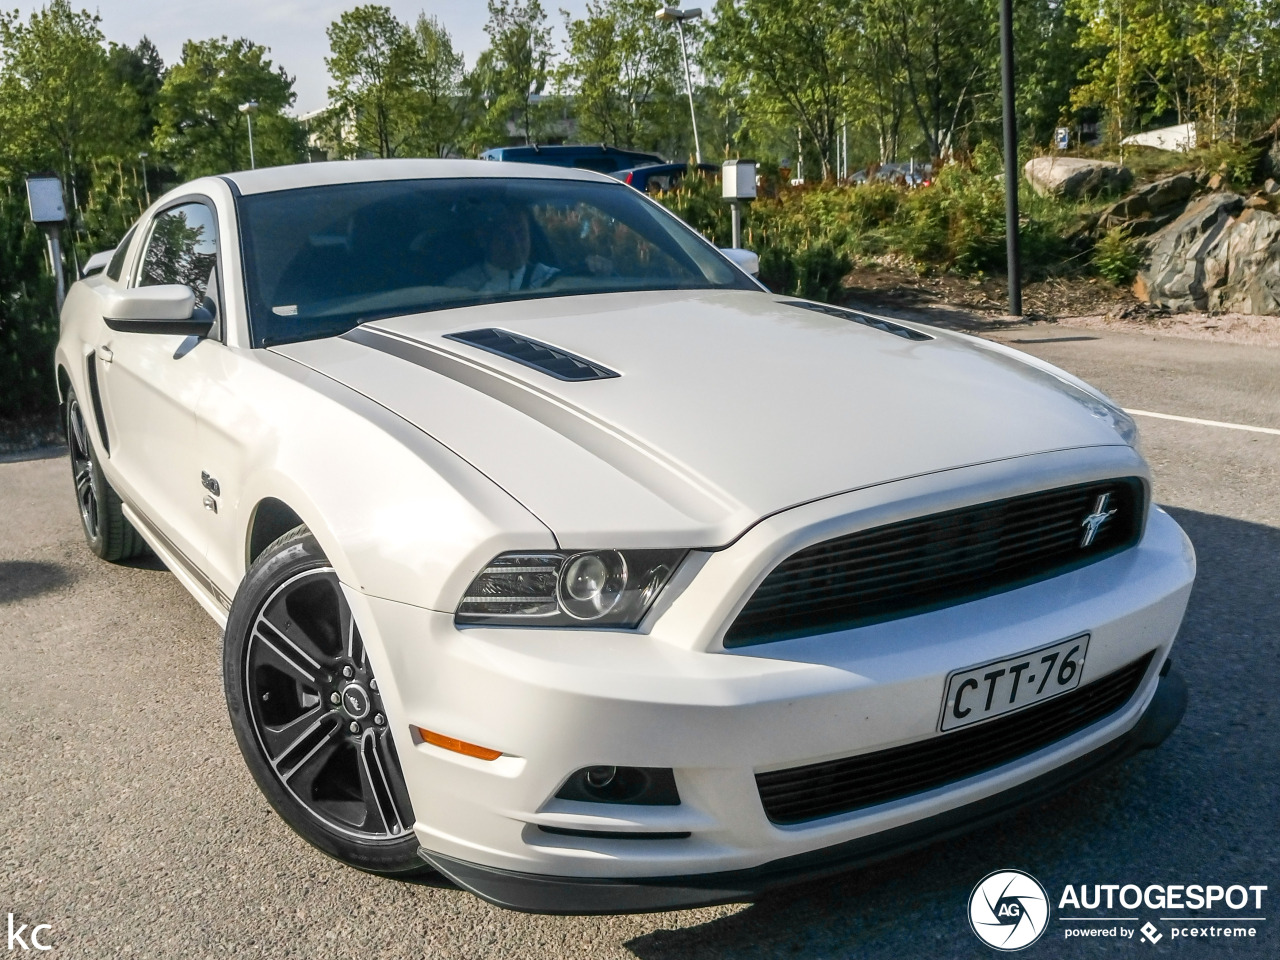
(122, 249)
(182, 248)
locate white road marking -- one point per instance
(1204, 423)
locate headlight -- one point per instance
(553, 589)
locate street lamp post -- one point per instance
(1013, 253)
(679, 17)
(146, 188)
(249, 109)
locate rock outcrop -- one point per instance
(1216, 256)
(1150, 207)
(1243, 268)
(1073, 177)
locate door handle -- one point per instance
(105, 353)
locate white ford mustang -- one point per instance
(554, 551)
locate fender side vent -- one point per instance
(888, 326)
(532, 353)
(96, 400)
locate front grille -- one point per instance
(840, 786)
(938, 561)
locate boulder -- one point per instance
(1268, 146)
(1174, 276)
(1242, 270)
(1075, 176)
(1150, 207)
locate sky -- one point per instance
(293, 29)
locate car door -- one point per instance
(151, 383)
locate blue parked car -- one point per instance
(598, 157)
(659, 177)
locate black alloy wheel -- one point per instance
(308, 714)
(106, 531)
(82, 469)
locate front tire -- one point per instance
(307, 713)
(106, 531)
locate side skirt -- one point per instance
(206, 593)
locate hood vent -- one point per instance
(540, 356)
(888, 326)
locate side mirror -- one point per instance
(165, 308)
(747, 260)
(96, 264)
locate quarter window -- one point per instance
(117, 259)
(182, 248)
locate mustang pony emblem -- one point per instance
(1094, 521)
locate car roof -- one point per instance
(271, 179)
(573, 149)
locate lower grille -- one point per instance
(840, 786)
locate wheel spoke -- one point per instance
(303, 760)
(278, 650)
(278, 740)
(280, 623)
(352, 640)
(376, 783)
(77, 429)
(84, 485)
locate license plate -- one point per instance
(1003, 686)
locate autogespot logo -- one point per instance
(1008, 910)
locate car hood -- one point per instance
(727, 407)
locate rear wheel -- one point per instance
(106, 530)
(307, 712)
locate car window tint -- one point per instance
(182, 248)
(320, 260)
(116, 266)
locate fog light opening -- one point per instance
(602, 783)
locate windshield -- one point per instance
(321, 260)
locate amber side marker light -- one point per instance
(456, 745)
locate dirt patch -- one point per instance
(19, 437)
(978, 305)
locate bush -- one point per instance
(810, 238)
(1116, 256)
(28, 324)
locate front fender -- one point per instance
(399, 516)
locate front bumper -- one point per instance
(669, 695)
(537, 893)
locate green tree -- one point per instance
(437, 71)
(947, 59)
(620, 66)
(789, 64)
(371, 61)
(141, 70)
(60, 101)
(517, 64)
(200, 129)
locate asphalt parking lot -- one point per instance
(132, 828)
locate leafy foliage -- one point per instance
(28, 327)
(518, 65)
(1116, 257)
(621, 66)
(200, 129)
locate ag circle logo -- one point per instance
(1008, 910)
